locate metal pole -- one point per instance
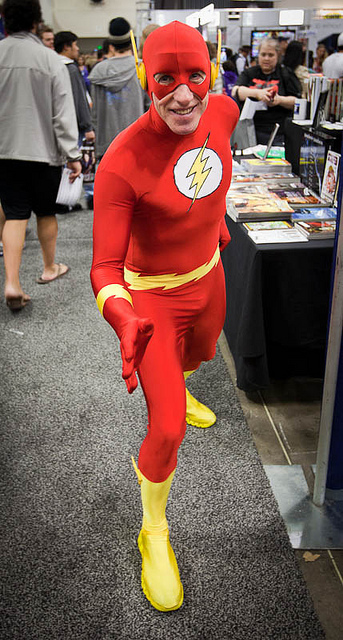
(331, 371)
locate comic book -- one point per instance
(331, 176)
(316, 229)
(315, 213)
(267, 225)
(296, 194)
(245, 206)
(256, 165)
(270, 178)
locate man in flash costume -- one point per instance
(157, 276)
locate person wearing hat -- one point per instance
(157, 275)
(333, 65)
(118, 99)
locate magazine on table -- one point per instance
(267, 225)
(296, 194)
(270, 178)
(275, 236)
(256, 206)
(254, 188)
(316, 229)
(315, 213)
(330, 177)
(256, 165)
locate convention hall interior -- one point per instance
(256, 514)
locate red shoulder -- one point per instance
(223, 107)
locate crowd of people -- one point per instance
(102, 97)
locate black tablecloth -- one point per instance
(277, 307)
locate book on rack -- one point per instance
(316, 229)
(297, 195)
(330, 177)
(316, 85)
(242, 206)
(257, 165)
(270, 178)
(275, 236)
(334, 99)
(315, 213)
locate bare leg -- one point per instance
(13, 237)
(2, 221)
(47, 229)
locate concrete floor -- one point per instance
(284, 422)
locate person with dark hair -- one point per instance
(38, 133)
(294, 61)
(105, 49)
(282, 47)
(272, 85)
(159, 227)
(241, 60)
(20, 15)
(118, 99)
(229, 76)
(333, 64)
(66, 46)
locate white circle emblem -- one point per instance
(198, 173)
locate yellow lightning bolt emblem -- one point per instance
(198, 171)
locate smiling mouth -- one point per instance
(183, 112)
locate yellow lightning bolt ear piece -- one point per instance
(215, 67)
(140, 67)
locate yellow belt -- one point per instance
(137, 282)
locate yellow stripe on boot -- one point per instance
(160, 579)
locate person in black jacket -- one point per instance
(272, 85)
(66, 46)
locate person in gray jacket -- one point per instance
(66, 46)
(38, 134)
(118, 99)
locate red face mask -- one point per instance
(176, 50)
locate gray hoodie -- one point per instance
(118, 99)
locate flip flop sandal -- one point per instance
(59, 275)
(16, 303)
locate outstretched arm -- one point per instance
(114, 200)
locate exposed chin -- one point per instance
(183, 126)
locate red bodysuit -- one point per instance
(159, 211)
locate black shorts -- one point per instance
(28, 186)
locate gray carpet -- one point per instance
(70, 503)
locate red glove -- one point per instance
(134, 334)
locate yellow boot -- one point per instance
(161, 582)
(197, 414)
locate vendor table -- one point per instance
(277, 307)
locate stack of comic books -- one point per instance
(316, 229)
(315, 213)
(273, 165)
(264, 178)
(254, 202)
(296, 194)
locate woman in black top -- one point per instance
(271, 84)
